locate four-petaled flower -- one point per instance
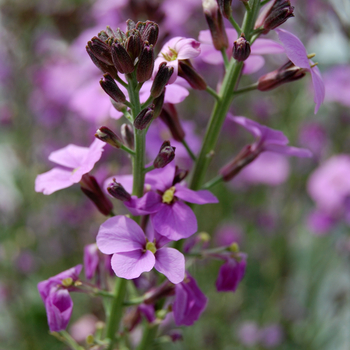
(134, 253)
(80, 160)
(176, 49)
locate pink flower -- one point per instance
(133, 253)
(296, 52)
(176, 49)
(254, 62)
(79, 161)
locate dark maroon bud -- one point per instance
(230, 170)
(225, 7)
(274, 14)
(287, 73)
(171, 119)
(127, 135)
(180, 174)
(116, 190)
(187, 72)
(161, 79)
(216, 24)
(105, 68)
(121, 59)
(165, 156)
(130, 25)
(143, 119)
(107, 135)
(93, 191)
(111, 89)
(149, 31)
(145, 65)
(101, 50)
(241, 49)
(102, 35)
(158, 104)
(134, 46)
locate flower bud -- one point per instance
(145, 65)
(285, 74)
(187, 72)
(127, 135)
(274, 14)
(216, 24)
(241, 49)
(158, 104)
(105, 68)
(230, 170)
(111, 88)
(161, 79)
(165, 156)
(121, 59)
(134, 46)
(100, 50)
(180, 174)
(170, 118)
(107, 135)
(149, 31)
(92, 190)
(143, 119)
(225, 7)
(116, 190)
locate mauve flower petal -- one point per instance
(53, 180)
(175, 221)
(150, 203)
(187, 48)
(230, 274)
(115, 114)
(94, 155)
(289, 150)
(120, 234)
(131, 264)
(319, 87)
(210, 55)
(175, 94)
(171, 263)
(266, 47)
(161, 179)
(295, 49)
(252, 64)
(197, 197)
(148, 312)
(70, 156)
(59, 307)
(175, 65)
(91, 260)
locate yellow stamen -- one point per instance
(314, 65)
(168, 195)
(151, 247)
(204, 236)
(311, 55)
(234, 248)
(67, 282)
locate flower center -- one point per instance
(168, 195)
(151, 247)
(171, 55)
(67, 282)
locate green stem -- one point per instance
(115, 313)
(212, 92)
(150, 168)
(189, 151)
(221, 107)
(120, 81)
(235, 25)
(247, 6)
(217, 179)
(246, 89)
(149, 333)
(70, 341)
(127, 149)
(224, 57)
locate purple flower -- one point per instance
(55, 295)
(268, 139)
(254, 62)
(231, 273)
(329, 185)
(176, 49)
(271, 336)
(80, 160)
(320, 223)
(337, 83)
(170, 216)
(133, 253)
(91, 260)
(189, 302)
(296, 52)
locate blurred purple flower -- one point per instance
(176, 49)
(268, 139)
(134, 254)
(55, 295)
(296, 52)
(91, 260)
(80, 160)
(83, 327)
(231, 273)
(189, 302)
(329, 185)
(271, 336)
(254, 62)
(170, 216)
(313, 135)
(320, 223)
(248, 333)
(228, 234)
